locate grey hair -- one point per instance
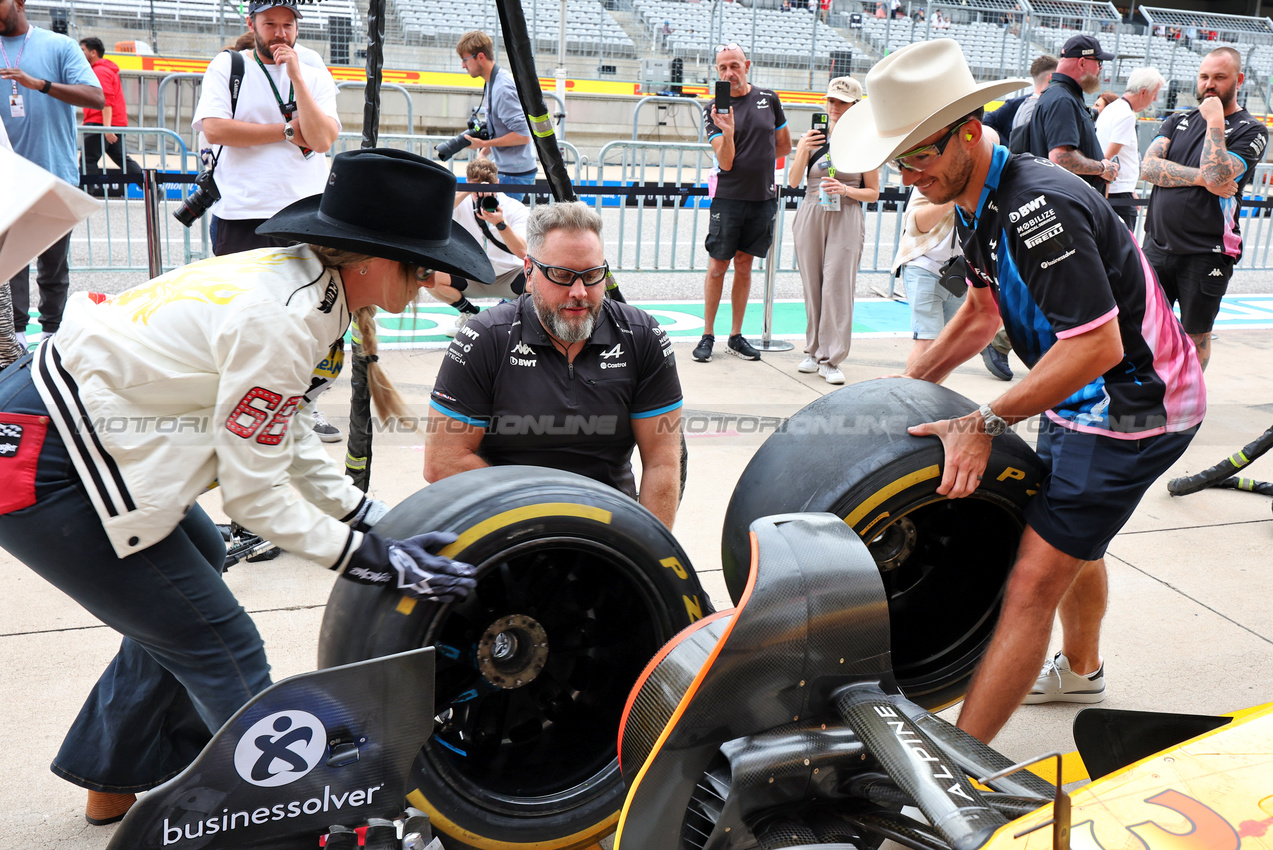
(571, 216)
(1144, 79)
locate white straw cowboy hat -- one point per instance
(912, 93)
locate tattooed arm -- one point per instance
(1217, 166)
(1221, 168)
(1071, 160)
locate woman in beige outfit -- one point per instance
(829, 238)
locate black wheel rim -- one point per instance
(547, 745)
(944, 565)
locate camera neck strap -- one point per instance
(286, 107)
(481, 222)
(236, 82)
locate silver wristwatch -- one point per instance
(289, 132)
(994, 424)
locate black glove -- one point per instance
(411, 566)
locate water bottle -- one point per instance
(830, 203)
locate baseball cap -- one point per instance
(845, 89)
(1085, 47)
(261, 5)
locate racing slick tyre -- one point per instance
(578, 587)
(944, 561)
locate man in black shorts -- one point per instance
(1111, 370)
(1199, 163)
(747, 141)
(562, 377)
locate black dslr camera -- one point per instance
(205, 195)
(953, 276)
(458, 142)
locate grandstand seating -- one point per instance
(781, 38)
(590, 28)
(990, 48)
(191, 15)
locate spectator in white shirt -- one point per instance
(1116, 132)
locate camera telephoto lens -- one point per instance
(490, 203)
(204, 196)
(452, 146)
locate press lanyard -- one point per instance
(15, 64)
(291, 90)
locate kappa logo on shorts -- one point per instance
(1216, 273)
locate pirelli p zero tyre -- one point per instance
(578, 587)
(944, 561)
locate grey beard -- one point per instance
(567, 332)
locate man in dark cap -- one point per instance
(1061, 128)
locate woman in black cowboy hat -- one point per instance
(204, 377)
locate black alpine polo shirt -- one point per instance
(503, 374)
(1061, 119)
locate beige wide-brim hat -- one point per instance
(911, 94)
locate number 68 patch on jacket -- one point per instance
(21, 438)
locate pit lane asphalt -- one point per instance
(1188, 628)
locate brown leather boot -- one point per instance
(104, 807)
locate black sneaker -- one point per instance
(996, 363)
(740, 347)
(703, 351)
(326, 431)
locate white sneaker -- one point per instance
(460, 321)
(831, 373)
(1058, 683)
(21, 337)
(808, 366)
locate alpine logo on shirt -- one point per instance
(617, 351)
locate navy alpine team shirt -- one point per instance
(503, 374)
(1190, 219)
(1060, 263)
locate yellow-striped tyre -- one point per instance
(579, 586)
(943, 561)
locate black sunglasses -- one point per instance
(567, 277)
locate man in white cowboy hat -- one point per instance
(1111, 370)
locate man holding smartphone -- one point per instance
(498, 223)
(748, 132)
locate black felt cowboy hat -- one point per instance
(386, 203)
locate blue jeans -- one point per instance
(526, 179)
(191, 656)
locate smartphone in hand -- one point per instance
(820, 122)
(722, 96)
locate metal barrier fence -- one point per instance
(656, 205)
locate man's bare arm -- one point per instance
(1160, 171)
(658, 439)
(451, 447)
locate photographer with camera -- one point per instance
(503, 134)
(270, 134)
(498, 223)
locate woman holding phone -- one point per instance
(829, 231)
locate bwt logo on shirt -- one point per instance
(1027, 208)
(280, 749)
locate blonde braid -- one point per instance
(384, 395)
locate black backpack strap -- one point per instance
(236, 79)
(813, 158)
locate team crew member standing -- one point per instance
(1061, 127)
(600, 373)
(747, 141)
(1112, 372)
(272, 140)
(43, 77)
(209, 365)
(1199, 163)
(829, 238)
(508, 131)
(1116, 132)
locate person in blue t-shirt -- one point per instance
(507, 140)
(43, 77)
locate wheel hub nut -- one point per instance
(512, 651)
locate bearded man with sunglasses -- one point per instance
(563, 377)
(1111, 369)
